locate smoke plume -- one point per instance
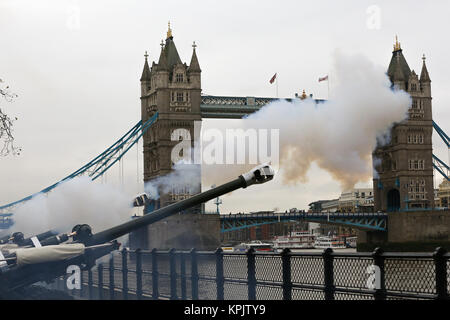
(184, 178)
(340, 134)
(73, 202)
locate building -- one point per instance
(404, 171)
(316, 206)
(330, 205)
(444, 194)
(356, 200)
(173, 89)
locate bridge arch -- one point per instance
(393, 200)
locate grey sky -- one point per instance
(79, 88)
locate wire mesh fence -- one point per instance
(199, 275)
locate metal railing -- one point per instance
(156, 274)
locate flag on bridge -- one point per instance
(273, 78)
(323, 78)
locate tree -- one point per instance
(6, 125)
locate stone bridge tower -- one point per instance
(173, 89)
(404, 166)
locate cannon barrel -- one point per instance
(54, 240)
(257, 175)
(5, 239)
(40, 237)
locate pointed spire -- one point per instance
(398, 67)
(146, 72)
(194, 66)
(398, 73)
(162, 63)
(169, 32)
(397, 44)
(171, 53)
(424, 76)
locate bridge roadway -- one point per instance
(364, 221)
(221, 107)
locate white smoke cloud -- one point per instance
(184, 177)
(338, 135)
(75, 201)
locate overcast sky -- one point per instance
(76, 67)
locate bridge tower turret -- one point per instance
(403, 176)
(173, 89)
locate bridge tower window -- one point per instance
(179, 77)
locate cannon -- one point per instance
(21, 266)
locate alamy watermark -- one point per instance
(373, 21)
(226, 146)
(74, 279)
(374, 280)
(73, 21)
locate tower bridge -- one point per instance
(171, 100)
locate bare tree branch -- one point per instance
(6, 125)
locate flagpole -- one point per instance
(328, 83)
(277, 85)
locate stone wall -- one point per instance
(419, 226)
(410, 231)
(185, 231)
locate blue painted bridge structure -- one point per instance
(364, 221)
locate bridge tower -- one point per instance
(404, 171)
(173, 89)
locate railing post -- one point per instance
(328, 273)
(378, 260)
(441, 273)
(287, 283)
(111, 277)
(155, 292)
(183, 275)
(219, 274)
(100, 281)
(194, 274)
(173, 275)
(124, 274)
(91, 293)
(251, 274)
(81, 283)
(138, 274)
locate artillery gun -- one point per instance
(22, 265)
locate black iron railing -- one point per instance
(156, 274)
